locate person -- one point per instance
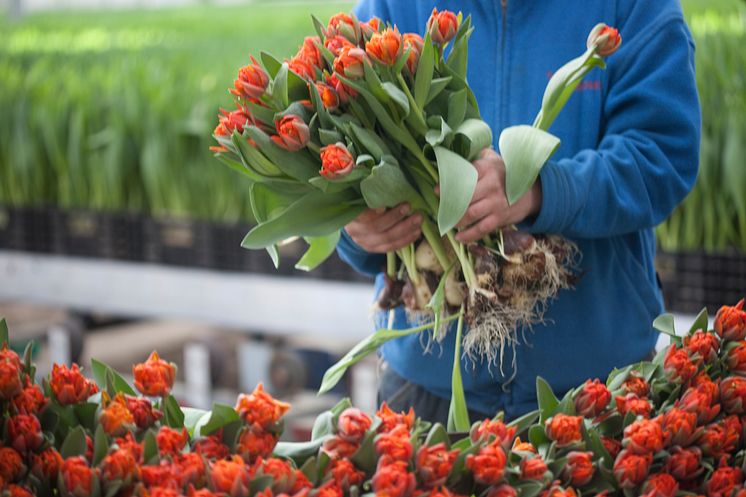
(628, 155)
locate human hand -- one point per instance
(489, 207)
(385, 230)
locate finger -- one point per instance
(411, 237)
(369, 214)
(402, 230)
(478, 230)
(392, 216)
(476, 211)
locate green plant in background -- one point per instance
(113, 111)
(713, 217)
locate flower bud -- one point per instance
(677, 365)
(592, 399)
(730, 322)
(254, 444)
(636, 384)
(120, 466)
(212, 447)
(442, 26)
(735, 357)
(414, 43)
(345, 474)
(309, 52)
(171, 441)
(660, 485)
(368, 29)
(503, 490)
(643, 437)
(612, 446)
(396, 444)
(701, 400)
(30, 400)
(69, 386)
(679, 426)
(352, 424)
(713, 440)
(344, 92)
(302, 68)
(115, 418)
(564, 429)
(10, 380)
(335, 44)
(733, 395)
(390, 419)
(579, 469)
(630, 469)
(12, 466)
(190, 469)
(45, 465)
(292, 133)
(724, 481)
(533, 468)
(155, 377)
(605, 39)
(260, 408)
(702, 347)
(349, 62)
(252, 81)
(385, 47)
(337, 448)
(142, 411)
(77, 477)
(230, 476)
(497, 429)
(684, 464)
(631, 403)
(329, 96)
(488, 464)
(343, 25)
(336, 161)
(393, 480)
(24, 433)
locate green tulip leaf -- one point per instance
(437, 85)
(221, 415)
(270, 63)
(371, 142)
(314, 214)
(524, 150)
(700, 322)
(100, 445)
(398, 97)
(74, 444)
(279, 87)
(424, 73)
(456, 108)
(458, 179)
(665, 324)
(458, 414)
(546, 400)
(386, 186)
(319, 250)
(4, 335)
(172, 414)
(471, 137)
(100, 372)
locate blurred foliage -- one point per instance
(713, 216)
(114, 110)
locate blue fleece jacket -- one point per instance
(629, 155)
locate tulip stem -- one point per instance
(430, 232)
(391, 264)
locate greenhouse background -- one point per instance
(120, 232)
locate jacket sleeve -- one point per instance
(647, 157)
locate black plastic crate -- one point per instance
(11, 228)
(127, 237)
(178, 242)
(228, 255)
(82, 233)
(693, 280)
(37, 229)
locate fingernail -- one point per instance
(417, 219)
(404, 209)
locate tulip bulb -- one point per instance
(425, 258)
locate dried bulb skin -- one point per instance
(391, 295)
(517, 241)
(425, 258)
